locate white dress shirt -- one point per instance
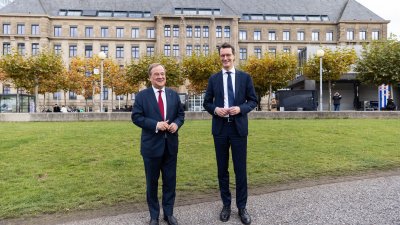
(225, 78)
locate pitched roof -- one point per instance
(337, 10)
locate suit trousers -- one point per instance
(230, 138)
(167, 166)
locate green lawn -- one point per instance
(56, 167)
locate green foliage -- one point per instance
(334, 64)
(379, 62)
(137, 71)
(16, 68)
(197, 68)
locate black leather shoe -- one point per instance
(244, 216)
(225, 213)
(171, 220)
(153, 222)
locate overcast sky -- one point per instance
(388, 10)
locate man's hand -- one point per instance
(222, 112)
(162, 125)
(173, 128)
(234, 110)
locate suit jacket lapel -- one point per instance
(237, 85)
(153, 100)
(220, 83)
(168, 97)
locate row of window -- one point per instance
(21, 29)
(21, 48)
(196, 31)
(276, 17)
(104, 32)
(258, 52)
(73, 96)
(315, 35)
(131, 14)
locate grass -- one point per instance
(59, 167)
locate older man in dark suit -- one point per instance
(159, 112)
(230, 96)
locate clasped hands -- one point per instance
(222, 112)
(164, 126)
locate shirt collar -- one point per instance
(156, 89)
(232, 70)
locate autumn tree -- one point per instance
(197, 68)
(122, 86)
(335, 63)
(270, 72)
(379, 62)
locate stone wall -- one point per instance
(50, 117)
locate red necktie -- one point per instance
(161, 104)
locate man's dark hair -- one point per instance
(226, 45)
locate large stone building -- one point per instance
(127, 29)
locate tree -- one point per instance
(379, 62)
(122, 85)
(334, 65)
(198, 68)
(137, 70)
(270, 72)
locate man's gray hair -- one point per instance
(151, 67)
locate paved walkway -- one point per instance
(366, 201)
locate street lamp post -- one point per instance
(320, 54)
(102, 56)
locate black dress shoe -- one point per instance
(225, 213)
(171, 220)
(244, 216)
(154, 222)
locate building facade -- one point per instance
(127, 30)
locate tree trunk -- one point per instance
(112, 99)
(36, 95)
(330, 94)
(17, 108)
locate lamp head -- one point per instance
(102, 55)
(320, 53)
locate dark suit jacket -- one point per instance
(146, 114)
(245, 98)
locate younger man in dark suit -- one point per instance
(230, 96)
(159, 112)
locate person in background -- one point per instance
(56, 108)
(159, 112)
(390, 106)
(336, 101)
(64, 109)
(229, 97)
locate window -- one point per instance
(286, 49)
(104, 48)
(315, 36)
(350, 35)
(218, 32)
(119, 97)
(35, 29)
(272, 51)
(88, 51)
(243, 53)
(329, 36)
(205, 32)
(6, 29)
(197, 31)
(135, 32)
(72, 95)
(88, 31)
(227, 32)
(167, 31)
(150, 51)
(257, 35)
(363, 35)
(197, 49)
(120, 32)
(286, 35)
(57, 49)
(119, 53)
(135, 52)
(73, 50)
(6, 89)
(56, 95)
(21, 29)
(104, 32)
(271, 35)
(150, 33)
(189, 49)
(73, 31)
(21, 48)
(176, 31)
(257, 52)
(105, 93)
(300, 35)
(35, 48)
(375, 35)
(242, 35)
(57, 31)
(167, 50)
(189, 31)
(6, 48)
(175, 50)
(206, 49)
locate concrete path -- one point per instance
(366, 201)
